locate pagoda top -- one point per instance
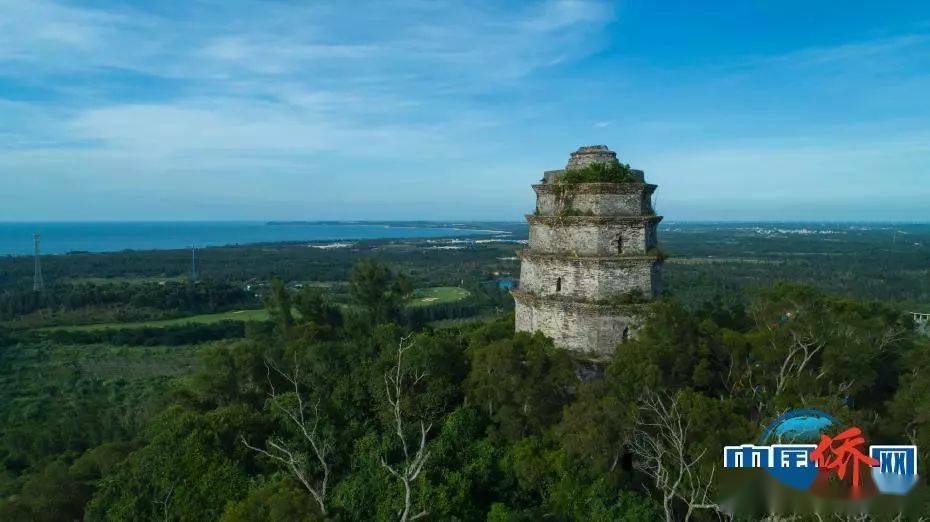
(588, 154)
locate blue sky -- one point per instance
(421, 109)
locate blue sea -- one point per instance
(61, 237)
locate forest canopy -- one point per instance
(346, 413)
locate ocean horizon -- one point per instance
(62, 237)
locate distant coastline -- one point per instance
(93, 237)
(476, 225)
(64, 237)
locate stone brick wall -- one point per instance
(602, 199)
(590, 330)
(581, 236)
(586, 278)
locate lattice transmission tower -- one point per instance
(38, 282)
(195, 276)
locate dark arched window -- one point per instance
(620, 244)
(558, 284)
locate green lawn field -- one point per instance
(421, 297)
(237, 315)
(436, 295)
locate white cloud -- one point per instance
(850, 52)
(405, 60)
(52, 37)
(426, 97)
(221, 132)
(556, 15)
(278, 56)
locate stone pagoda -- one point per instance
(592, 259)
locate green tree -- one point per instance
(279, 305)
(598, 500)
(521, 383)
(50, 495)
(278, 498)
(189, 468)
(808, 348)
(596, 427)
(910, 408)
(317, 317)
(229, 373)
(378, 290)
(463, 471)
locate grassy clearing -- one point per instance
(437, 295)
(421, 297)
(238, 315)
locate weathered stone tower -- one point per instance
(592, 259)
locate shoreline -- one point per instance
(137, 236)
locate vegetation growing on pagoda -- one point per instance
(611, 172)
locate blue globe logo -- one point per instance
(805, 426)
(799, 427)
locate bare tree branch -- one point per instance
(165, 503)
(803, 349)
(407, 471)
(660, 446)
(281, 452)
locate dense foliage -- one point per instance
(177, 296)
(610, 172)
(149, 336)
(345, 413)
(143, 422)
